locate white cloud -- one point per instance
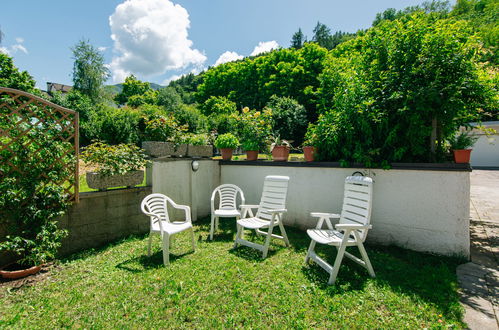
(4, 50)
(170, 79)
(101, 49)
(150, 38)
(228, 57)
(263, 47)
(19, 40)
(20, 48)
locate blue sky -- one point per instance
(152, 38)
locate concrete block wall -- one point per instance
(103, 217)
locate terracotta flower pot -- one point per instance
(251, 155)
(226, 153)
(309, 153)
(462, 156)
(280, 153)
(15, 274)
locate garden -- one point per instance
(405, 91)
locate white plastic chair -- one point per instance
(270, 211)
(227, 208)
(352, 228)
(155, 206)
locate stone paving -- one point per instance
(479, 279)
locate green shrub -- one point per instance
(382, 94)
(163, 128)
(192, 117)
(289, 118)
(218, 105)
(115, 126)
(197, 139)
(253, 127)
(169, 98)
(227, 140)
(32, 192)
(114, 159)
(222, 123)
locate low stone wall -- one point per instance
(104, 217)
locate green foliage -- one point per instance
(135, 93)
(192, 117)
(186, 86)
(114, 125)
(227, 140)
(218, 105)
(435, 6)
(298, 39)
(252, 81)
(463, 140)
(382, 93)
(223, 123)
(114, 159)
(31, 191)
(169, 98)
(11, 77)
(253, 127)
(322, 36)
(81, 103)
(197, 139)
(89, 71)
(289, 118)
(163, 128)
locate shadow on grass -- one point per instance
(144, 262)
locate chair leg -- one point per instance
(166, 249)
(193, 239)
(363, 253)
(267, 242)
(212, 227)
(283, 233)
(149, 245)
(310, 249)
(238, 235)
(217, 222)
(337, 264)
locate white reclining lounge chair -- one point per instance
(270, 210)
(352, 228)
(155, 206)
(227, 208)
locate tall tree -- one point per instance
(298, 39)
(322, 36)
(89, 71)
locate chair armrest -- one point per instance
(187, 210)
(249, 206)
(351, 226)
(278, 211)
(325, 215)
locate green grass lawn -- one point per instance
(118, 286)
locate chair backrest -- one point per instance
(357, 202)
(275, 189)
(227, 196)
(156, 204)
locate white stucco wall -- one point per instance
(486, 149)
(175, 178)
(421, 210)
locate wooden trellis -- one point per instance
(23, 114)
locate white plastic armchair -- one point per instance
(269, 214)
(156, 207)
(351, 230)
(227, 204)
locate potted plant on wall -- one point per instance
(31, 199)
(163, 137)
(198, 145)
(309, 149)
(226, 143)
(115, 165)
(461, 146)
(280, 149)
(254, 127)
